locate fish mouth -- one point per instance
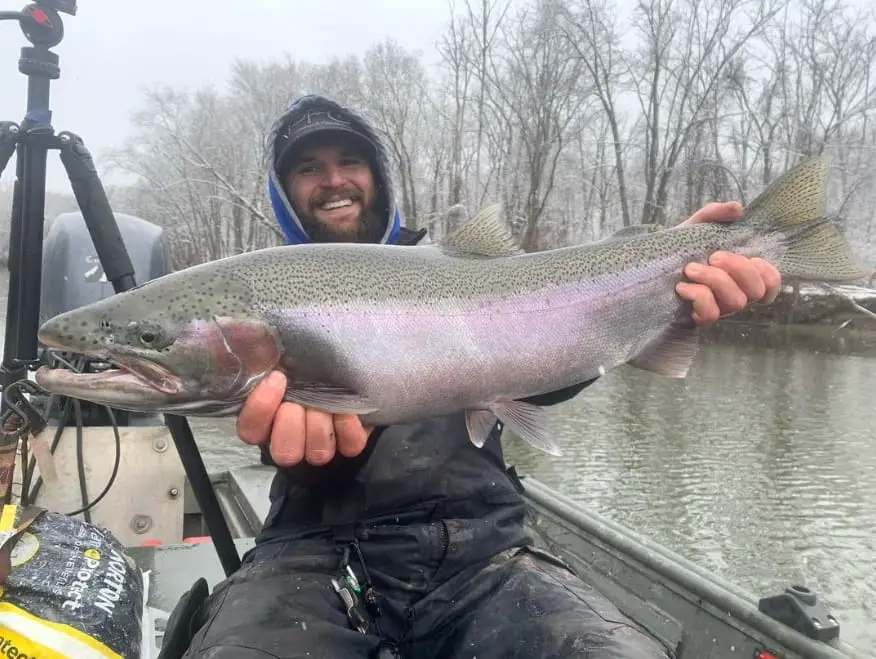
(148, 372)
(128, 373)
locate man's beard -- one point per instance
(369, 228)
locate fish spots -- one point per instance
(364, 279)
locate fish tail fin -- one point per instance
(792, 208)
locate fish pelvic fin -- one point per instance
(479, 424)
(672, 353)
(792, 208)
(527, 421)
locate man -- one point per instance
(428, 524)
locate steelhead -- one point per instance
(396, 334)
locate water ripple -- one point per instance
(761, 466)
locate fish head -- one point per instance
(171, 352)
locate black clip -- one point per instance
(351, 602)
(32, 420)
(346, 585)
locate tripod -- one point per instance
(42, 26)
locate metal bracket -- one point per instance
(799, 608)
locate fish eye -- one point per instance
(148, 337)
(147, 334)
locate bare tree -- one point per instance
(539, 86)
(592, 32)
(196, 176)
(578, 118)
(395, 83)
(687, 47)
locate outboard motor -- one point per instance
(72, 276)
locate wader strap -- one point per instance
(515, 479)
(344, 534)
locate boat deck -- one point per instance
(686, 607)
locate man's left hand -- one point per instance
(729, 282)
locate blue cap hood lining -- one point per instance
(286, 217)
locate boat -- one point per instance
(181, 524)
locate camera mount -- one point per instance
(41, 24)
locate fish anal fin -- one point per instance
(483, 236)
(329, 398)
(529, 422)
(672, 353)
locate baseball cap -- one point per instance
(311, 122)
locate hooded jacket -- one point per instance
(429, 466)
(289, 223)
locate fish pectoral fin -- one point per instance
(479, 424)
(672, 353)
(329, 398)
(529, 422)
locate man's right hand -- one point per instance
(295, 432)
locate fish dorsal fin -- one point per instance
(482, 236)
(796, 197)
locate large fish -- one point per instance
(397, 334)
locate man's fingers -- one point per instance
(288, 435)
(746, 275)
(351, 436)
(319, 437)
(704, 307)
(719, 286)
(724, 211)
(257, 413)
(771, 277)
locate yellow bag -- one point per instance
(72, 592)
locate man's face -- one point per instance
(331, 188)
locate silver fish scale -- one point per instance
(380, 277)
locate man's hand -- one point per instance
(295, 432)
(730, 282)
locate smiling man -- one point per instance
(327, 176)
(431, 526)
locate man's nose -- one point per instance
(332, 176)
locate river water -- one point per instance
(760, 466)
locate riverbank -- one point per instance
(808, 318)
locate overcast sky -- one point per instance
(112, 49)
